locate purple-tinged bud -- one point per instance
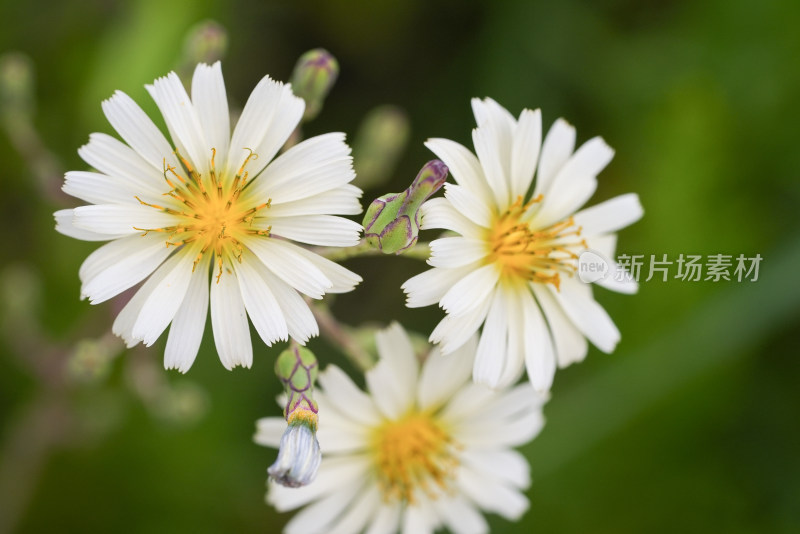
(314, 75)
(391, 223)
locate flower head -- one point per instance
(423, 448)
(511, 268)
(210, 220)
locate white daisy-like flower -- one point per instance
(512, 266)
(211, 218)
(422, 449)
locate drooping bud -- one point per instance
(299, 455)
(314, 75)
(378, 144)
(391, 223)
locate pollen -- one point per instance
(523, 253)
(209, 211)
(413, 453)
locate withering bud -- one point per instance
(314, 75)
(391, 223)
(299, 455)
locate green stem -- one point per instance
(420, 251)
(338, 334)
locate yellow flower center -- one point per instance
(212, 214)
(526, 254)
(412, 453)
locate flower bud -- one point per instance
(206, 42)
(314, 75)
(391, 223)
(16, 84)
(380, 140)
(299, 455)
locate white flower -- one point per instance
(512, 266)
(299, 455)
(424, 448)
(212, 219)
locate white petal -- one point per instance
(343, 280)
(440, 213)
(313, 166)
(342, 200)
(120, 265)
(338, 433)
(471, 291)
(507, 465)
(462, 164)
(392, 382)
(540, 358)
(269, 431)
(182, 120)
(114, 158)
(443, 374)
(525, 151)
(97, 188)
(475, 208)
(322, 230)
(119, 219)
(611, 215)
(138, 130)
(453, 252)
(492, 356)
(460, 516)
(334, 472)
(299, 319)
(495, 158)
(65, 225)
(418, 519)
(492, 495)
(453, 332)
(261, 304)
(587, 315)
(430, 286)
(363, 509)
(291, 266)
(347, 397)
(163, 303)
(515, 359)
(125, 321)
(229, 322)
(387, 520)
(570, 345)
(318, 516)
(211, 105)
(556, 150)
(186, 331)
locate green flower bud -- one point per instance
(206, 42)
(16, 84)
(296, 368)
(381, 138)
(391, 223)
(314, 75)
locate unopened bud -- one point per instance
(391, 223)
(314, 75)
(206, 42)
(379, 142)
(16, 83)
(299, 455)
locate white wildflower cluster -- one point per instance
(242, 221)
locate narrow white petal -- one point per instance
(611, 215)
(387, 520)
(443, 374)
(114, 158)
(269, 431)
(556, 150)
(492, 356)
(229, 322)
(342, 200)
(261, 304)
(418, 519)
(570, 345)
(318, 516)
(492, 495)
(97, 188)
(454, 252)
(161, 306)
(338, 432)
(186, 331)
(453, 332)
(182, 120)
(120, 265)
(211, 105)
(343, 280)
(334, 472)
(138, 130)
(364, 506)
(495, 160)
(460, 516)
(347, 397)
(283, 259)
(125, 321)
(440, 213)
(540, 358)
(287, 116)
(299, 319)
(515, 359)
(475, 208)
(508, 465)
(392, 382)
(587, 315)
(525, 151)
(65, 225)
(119, 219)
(463, 165)
(430, 286)
(322, 230)
(471, 291)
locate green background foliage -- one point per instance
(690, 426)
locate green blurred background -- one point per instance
(690, 426)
